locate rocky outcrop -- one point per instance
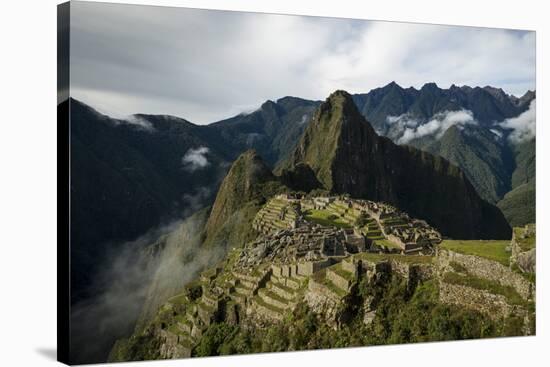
(347, 156)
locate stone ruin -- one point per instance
(384, 221)
(308, 242)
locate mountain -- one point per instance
(487, 104)
(485, 160)
(519, 205)
(348, 157)
(127, 178)
(248, 182)
(460, 124)
(132, 175)
(135, 165)
(271, 130)
(288, 289)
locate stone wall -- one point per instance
(487, 269)
(525, 260)
(338, 280)
(310, 267)
(323, 302)
(170, 346)
(494, 305)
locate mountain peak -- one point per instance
(429, 86)
(341, 107)
(339, 93)
(392, 84)
(347, 156)
(241, 184)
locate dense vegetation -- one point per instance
(402, 317)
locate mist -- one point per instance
(408, 128)
(195, 159)
(522, 127)
(135, 280)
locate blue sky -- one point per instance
(208, 65)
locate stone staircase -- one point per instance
(277, 214)
(336, 281)
(186, 332)
(278, 296)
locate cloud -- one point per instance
(195, 159)
(137, 277)
(140, 122)
(522, 127)
(436, 127)
(127, 59)
(496, 132)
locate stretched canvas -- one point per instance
(235, 183)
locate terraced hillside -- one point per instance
(302, 284)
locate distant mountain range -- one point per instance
(348, 157)
(131, 175)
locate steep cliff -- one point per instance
(347, 156)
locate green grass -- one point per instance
(261, 302)
(341, 272)
(388, 244)
(375, 236)
(333, 288)
(393, 221)
(326, 218)
(409, 259)
(273, 295)
(484, 284)
(492, 250)
(283, 287)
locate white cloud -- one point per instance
(437, 126)
(140, 122)
(195, 159)
(132, 58)
(523, 127)
(496, 132)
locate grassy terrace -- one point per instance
(388, 244)
(283, 287)
(273, 295)
(321, 277)
(409, 259)
(262, 303)
(484, 284)
(492, 250)
(326, 218)
(333, 288)
(341, 272)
